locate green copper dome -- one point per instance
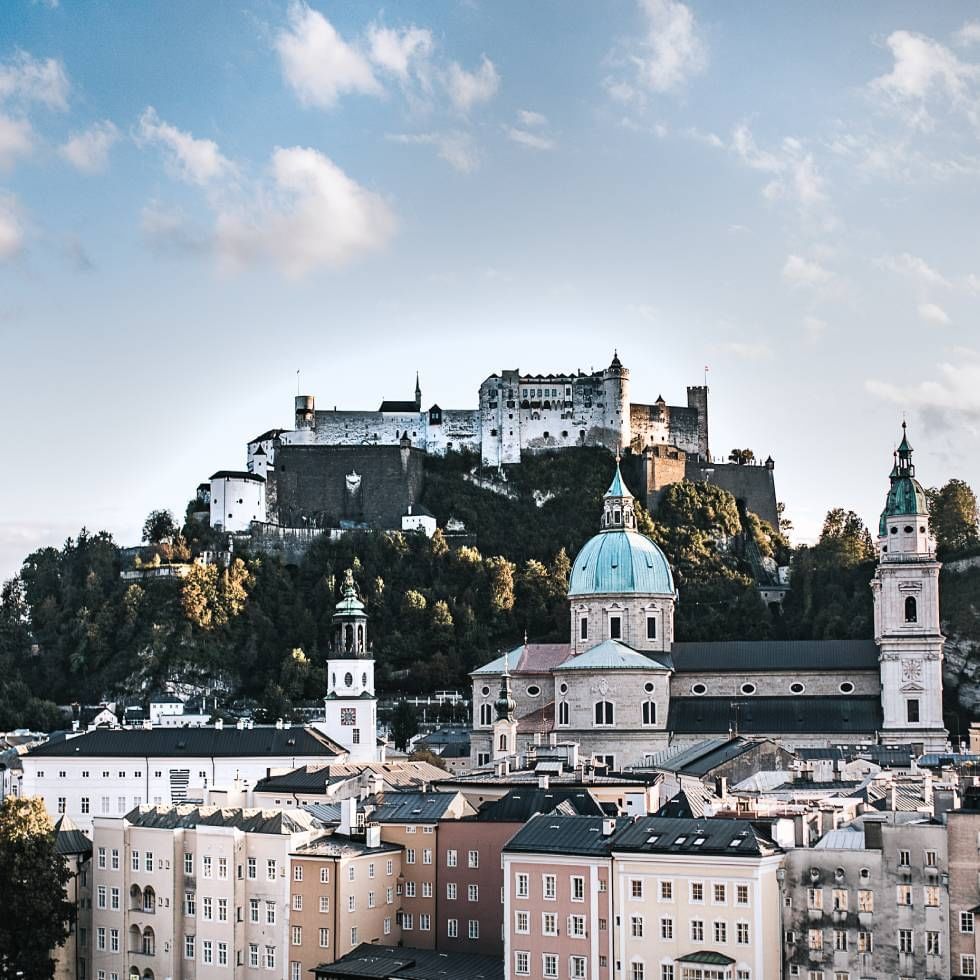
(905, 495)
(620, 563)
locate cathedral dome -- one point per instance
(620, 563)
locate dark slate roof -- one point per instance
(269, 434)
(519, 805)
(68, 839)
(394, 406)
(783, 715)
(188, 815)
(315, 779)
(776, 655)
(552, 834)
(413, 807)
(194, 743)
(406, 963)
(899, 756)
(665, 835)
(707, 956)
(677, 807)
(236, 475)
(341, 845)
(700, 759)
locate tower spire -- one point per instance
(418, 392)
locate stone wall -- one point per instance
(753, 484)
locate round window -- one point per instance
(349, 680)
(698, 689)
(908, 529)
(485, 690)
(884, 547)
(922, 529)
(563, 688)
(846, 688)
(533, 691)
(865, 873)
(747, 688)
(648, 687)
(796, 688)
(894, 530)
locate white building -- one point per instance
(108, 772)
(237, 499)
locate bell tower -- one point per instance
(505, 727)
(351, 708)
(906, 613)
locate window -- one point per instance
(222, 909)
(905, 940)
(912, 710)
(604, 713)
(742, 933)
(522, 963)
(473, 859)
(207, 911)
(931, 896)
(549, 964)
(839, 899)
(425, 921)
(666, 927)
(840, 940)
(814, 898)
(222, 954)
(667, 971)
(651, 628)
(325, 875)
(85, 805)
(932, 859)
(473, 929)
(615, 625)
(719, 894)
(250, 868)
(298, 903)
(451, 859)
(933, 947)
(549, 887)
(410, 855)
(101, 857)
(352, 902)
(253, 954)
(473, 893)
(578, 888)
(206, 866)
(427, 855)
(410, 889)
(324, 903)
(697, 931)
(576, 967)
(522, 885)
(486, 715)
(911, 614)
(562, 712)
(407, 920)
(207, 951)
(114, 898)
(697, 892)
(270, 913)
(451, 891)
(968, 965)
(270, 870)
(188, 947)
(636, 926)
(904, 858)
(522, 922)
(814, 939)
(637, 971)
(101, 892)
(636, 888)
(270, 957)
(351, 874)
(190, 903)
(866, 900)
(426, 889)
(576, 926)
(583, 625)
(796, 688)
(297, 935)
(549, 924)
(649, 712)
(721, 931)
(741, 894)
(966, 922)
(865, 942)
(253, 910)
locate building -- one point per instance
(72, 958)
(963, 836)
(108, 772)
(237, 497)
(869, 901)
(409, 963)
(625, 690)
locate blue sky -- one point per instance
(196, 200)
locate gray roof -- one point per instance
(613, 655)
(560, 834)
(841, 840)
(405, 963)
(194, 743)
(68, 839)
(888, 756)
(341, 846)
(519, 805)
(678, 835)
(187, 815)
(839, 715)
(700, 759)
(413, 807)
(529, 658)
(777, 655)
(237, 475)
(315, 779)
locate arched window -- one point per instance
(136, 897)
(149, 942)
(503, 742)
(349, 639)
(604, 713)
(562, 712)
(149, 900)
(134, 971)
(135, 941)
(649, 712)
(360, 638)
(911, 613)
(486, 714)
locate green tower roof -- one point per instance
(905, 495)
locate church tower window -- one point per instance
(912, 710)
(911, 613)
(651, 627)
(584, 627)
(615, 627)
(604, 714)
(503, 743)
(649, 712)
(562, 712)
(486, 714)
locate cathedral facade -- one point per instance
(625, 690)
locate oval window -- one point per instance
(922, 530)
(563, 688)
(796, 688)
(364, 680)
(747, 688)
(894, 530)
(846, 688)
(648, 687)
(485, 690)
(909, 529)
(349, 680)
(533, 691)
(698, 689)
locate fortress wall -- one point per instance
(359, 428)
(753, 484)
(460, 429)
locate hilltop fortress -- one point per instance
(341, 468)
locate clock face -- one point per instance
(348, 716)
(911, 670)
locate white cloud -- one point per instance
(399, 51)
(912, 267)
(455, 147)
(531, 119)
(925, 71)
(972, 283)
(198, 161)
(11, 227)
(968, 34)
(795, 175)
(16, 140)
(28, 79)
(88, 151)
(467, 89)
(933, 314)
(313, 216)
(319, 65)
(814, 328)
(534, 141)
(799, 271)
(672, 50)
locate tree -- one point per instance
(33, 876)
(741, 456)
(160, 526)
(404, 724)
(426, 755)
(953, 517)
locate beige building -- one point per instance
(963, 836)
(71, 958)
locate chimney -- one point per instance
(552, 739)
(872, 834)
(543, 780)
(372, 835)
(279, 724)
(219, 725)
(348, 816)
(608, 827)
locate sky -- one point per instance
(198, 200)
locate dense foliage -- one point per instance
(71, 629)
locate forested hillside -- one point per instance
(72, 630)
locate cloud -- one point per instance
(795, 175)
(968, 34)
(467, 89)
(533, 140)
(197, 161)
(799, 271)
(320, 66)
(27, 79)
(531, 119)
(456, 148)
(925, 72)
(88, 151)
(972, 283)
(16, 140)
(11, 228)
(814, 328)
(933, 314)
(954, 396)
(912, 267)
(313, 216)
(672, 50)
(398, 51)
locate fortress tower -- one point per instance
(906, 613)
(616, 388)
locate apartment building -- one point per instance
(343, 892)
(470, 871)
(963, 837)
(71, 958)
(412, 821)
(558, 913)
(195, 892)
(869, 902)
(695, 899)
